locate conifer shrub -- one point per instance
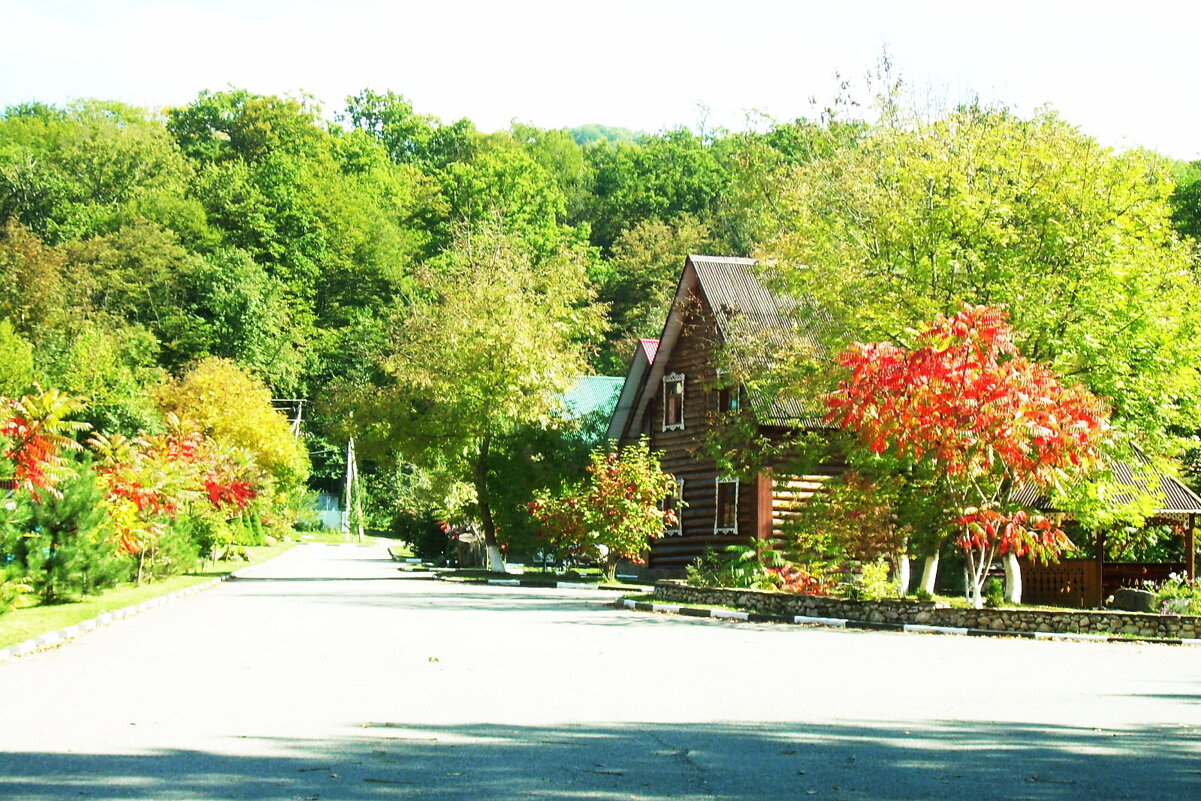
(66, 550)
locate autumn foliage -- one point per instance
(34, 435)
(614, 513)
(963, 399)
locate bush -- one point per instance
(994, 593)
(1179, 596)
(737, 568)
(174, 551)
(67, 550)
(423, 534)
(871, 584)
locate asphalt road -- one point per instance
(328, 674)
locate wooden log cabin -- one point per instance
(677, 391)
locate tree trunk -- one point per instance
(496, 562)
(930, 573)
(903, 575)
(977, 572)
(1013, 579)
(611, 561)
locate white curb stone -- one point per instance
(918, 627)
(729, 614)
(836, 622)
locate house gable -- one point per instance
(677, 400)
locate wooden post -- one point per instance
(763, 505)
(1190, 548)
(1098, 598)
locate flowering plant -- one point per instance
(614, 513)
(1179, 595)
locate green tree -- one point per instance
(638, 281)
(67, 550)
(658, 178)
(109, 367)
(491, 350)
(32, 284)
(614, 513)
(73, 172)
(557, 152)
(16, 362)
(983, 207)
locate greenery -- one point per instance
(613, 513)
(79, 520)
(1179, 595)
(431, 289)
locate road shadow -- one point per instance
(652, 762)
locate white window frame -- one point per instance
(717, 527)
(673, 379)
(678, 529)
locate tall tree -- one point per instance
(983, 207)
(962, 399)
(492, 349)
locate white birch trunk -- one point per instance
(1013, 579)
(496, 562)
(930, 573)
(902, 575)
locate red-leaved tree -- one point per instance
(964, 399)
(614, 513)
(34, 433)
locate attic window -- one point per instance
(672, 503)
(726, 520)
(673, 402)
(727, 392)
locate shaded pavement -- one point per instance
(328, 674)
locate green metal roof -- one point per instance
(596, 394)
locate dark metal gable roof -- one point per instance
(750, 318)
(755, 322)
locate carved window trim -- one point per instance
(673, 502)
(673, 402)
(725, 515)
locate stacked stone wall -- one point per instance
(1025, 620)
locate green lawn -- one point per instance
(23, 624)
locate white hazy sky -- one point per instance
(1124, 72)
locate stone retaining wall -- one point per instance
(928, 613)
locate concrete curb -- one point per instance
(842, 623)
(55, 638)
(541, 585)
(558, 585)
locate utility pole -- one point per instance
(352, 505)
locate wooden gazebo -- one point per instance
(1088, 582)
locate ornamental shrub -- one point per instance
(67, 550)
(1179, 595)
(613, 513)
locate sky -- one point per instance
(1123, 72)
